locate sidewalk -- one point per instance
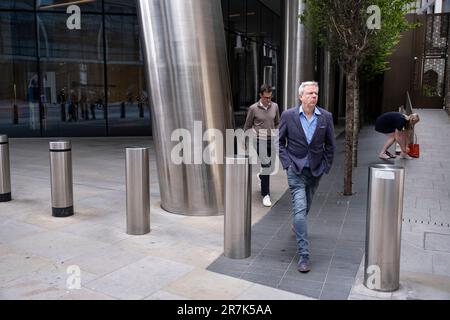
(425, 251)
(170, 262)
(175, 260)
(337, 227)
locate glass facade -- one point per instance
(70, 72)
(253, 29)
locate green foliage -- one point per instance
(430, 91)
(393, 23)
(341, 27)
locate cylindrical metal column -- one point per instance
(186, 67)
(138, 190)
(5, 172)
(238, 207)
(298, 62)
(384, 226)
(61, 178)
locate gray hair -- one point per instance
(301, 89)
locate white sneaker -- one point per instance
(266, 201)
(405, 156)
(384, 156)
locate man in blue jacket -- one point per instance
(307, 145)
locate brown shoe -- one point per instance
(303, 264)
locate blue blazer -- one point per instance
(294, 148)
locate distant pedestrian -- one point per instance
(263, 117)
(398, 127)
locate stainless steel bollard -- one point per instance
(238, 207)
(384, 226)
(138, 191)
(5, 172)
(61, 178)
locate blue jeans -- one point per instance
(302, 187)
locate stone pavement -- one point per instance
(170, 262)
(425, 251)
(336, 227)
(175, 259)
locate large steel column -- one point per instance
(298, 62)
(186, 66)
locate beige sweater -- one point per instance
(262, 120)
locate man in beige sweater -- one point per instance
(263, 118)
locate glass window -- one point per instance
(128, 104)
(276, 40)
(253, 18)
(72, 76)
(225, 12)
(253, 78)
(266, 25)
(237, 16)
(237, 57)
(62, 5)
(253, 51)
(19, 90)
(17, 4)
(120, 6)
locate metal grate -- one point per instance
(433, 77)
(424, 222)
(435, 56)
(436, 34)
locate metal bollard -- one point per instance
(138, 191)
(61, 178)
(238, 207)
(384, 226)
(5, 172)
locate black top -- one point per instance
(389, 121)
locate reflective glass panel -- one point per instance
(128, 103)
(19, 82)
(17, 4)
(120, 6)
(69, 5)
(72, 75)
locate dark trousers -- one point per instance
(266, 163)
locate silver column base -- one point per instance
(5, 197)
(62, 212)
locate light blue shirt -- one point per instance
(309, 126)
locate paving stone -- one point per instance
(260, 292)
(441, 263)
(140, 279)
(437, 242)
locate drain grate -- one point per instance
(431, 223)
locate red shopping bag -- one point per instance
(414, 149)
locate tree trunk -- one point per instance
(356, 123)
(349, 128)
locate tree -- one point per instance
(359, 34)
